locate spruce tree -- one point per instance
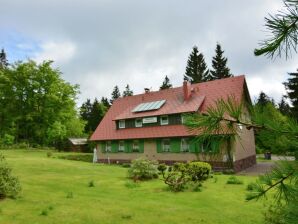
(196, 69)
(292, 91)
(105, 102)
(166, 84)
(263, 99)
(284, 107)
(115, 94)
(219, 65)
(127, 91)
(3, 60)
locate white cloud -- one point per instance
(60, 52)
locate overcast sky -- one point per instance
(102, 43)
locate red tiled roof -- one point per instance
(203, 96)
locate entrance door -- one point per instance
(150, 149)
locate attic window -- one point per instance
(164, 120)
(154, 105)
(122, 124)
(138, 122)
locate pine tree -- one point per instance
(292, 91)
(115, 94)
(219, 65)
(166, 84)
(105, 102)
(196, 69)
(263, 99)
(3, 60)
(127, 91)
(284, 107)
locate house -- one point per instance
(78, 144)
(150, 125)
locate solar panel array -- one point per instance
(155, 105)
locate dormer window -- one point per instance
(122, 124)
(164, 120)
(138, 122)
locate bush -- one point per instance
(180, 175)
(143, 169)
(234, 180)
(125, 165)
(9, 185)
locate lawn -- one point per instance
(57, 191)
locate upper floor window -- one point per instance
(122, 124)
(138, 122)
(108, 146)
(164, 120)
(184, 145)
(135, 146)
(121, 146)
(166, 145)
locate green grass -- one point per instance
(57, 191)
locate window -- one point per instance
(240, 126)
(164, 120)
(135, 146)
(121, 146)
(108, 146)
(122, 124)
(166, 145)
(184, 145)
(182, 119)
(138, 122)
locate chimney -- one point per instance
(186, 90)
(147, 90)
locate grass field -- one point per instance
(57, 191)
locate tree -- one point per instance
(105, 102)
(34, 101)
(263, 99)
(127, 91)
(284, 107)
(292, 91)
(115, 94)
(284, 29)
(166, 84)
(3, 60)
(219, 65)
(196, 69)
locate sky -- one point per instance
(102, 43)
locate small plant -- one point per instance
(50, 207)
(125, 165)
(49, 154)
(143, 169)
(126, 216)
(131, 185)
(44, 212)
(234, 180)
(250, 187)
(69, 195)
(91, 184)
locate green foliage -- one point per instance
(78, 157)
(292, 92)
(143, 169)
(7, 140)
(219, 65)
(131, 184)
(115, 94)
(44, 212)
(181, 175)
(69, 195)
(166, 84)
(127, 91)
(38, 106)
(284, 32)
(234, 180)
(9, 184)
(196, 69)
(91, 184)
(49, 154)
(3, 60)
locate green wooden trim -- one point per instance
(103, 146)
(115, 146)
(128, 146)
(175, 145)
(141, 145)
(158, 145)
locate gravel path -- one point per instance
(259, 168)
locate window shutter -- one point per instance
(141, 145)
(175, 145)
(193, 146)
(115, 146)
(103, 146)
(128, 146)
(158, 145)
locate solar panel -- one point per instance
(155, 105)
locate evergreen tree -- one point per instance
(115, 94)
(3, 60)
(292, 91)
(219, 65)
(284, 107)
(105, 102)
(166, 84)
(263, 99)
(85, 112)
(196, 69)
(127, 91)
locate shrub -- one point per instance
(125, 165)
(234, 180)
(180, 175)
(143, 169)
(91, 184)
(7, 139)
(44, 212)
(9, 184)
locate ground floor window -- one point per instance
(184, 145)
(166, 145)
(108, 146)
(121, 146)
(135, 146)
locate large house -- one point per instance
(150, 125)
